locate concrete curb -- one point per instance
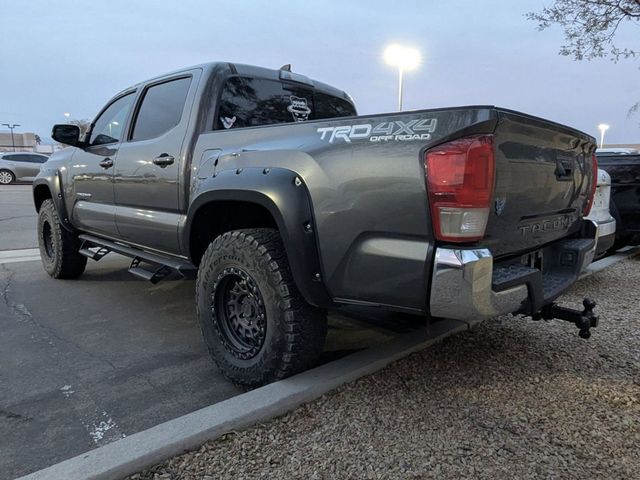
(146, 448)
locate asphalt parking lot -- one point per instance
(85, 362)
(16, 218)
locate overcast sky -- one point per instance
(76, 55)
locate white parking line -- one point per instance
(23, 252)
(99, 425)
(22, 255)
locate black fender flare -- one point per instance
(50, 178)
(285, 196)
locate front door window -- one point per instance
(109, 126)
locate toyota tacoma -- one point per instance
(266, 187)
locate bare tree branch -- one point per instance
(590, 26)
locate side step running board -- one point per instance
(161, 265)
(93, 255)
(159, 271)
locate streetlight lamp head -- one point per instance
(66, 114)
(402, 57)
(603, 127)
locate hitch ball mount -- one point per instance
(584, 320)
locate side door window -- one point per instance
(16, 158)
(34, 158)
(161, 109)
(109, 126)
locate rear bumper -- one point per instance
(467, 285)
(461, 287)
(606, 236)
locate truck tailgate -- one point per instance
(544, 176)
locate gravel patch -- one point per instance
(511, 398)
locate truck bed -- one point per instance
(366, 181)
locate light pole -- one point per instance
(603, 127)
(405, 59)
(11, 127)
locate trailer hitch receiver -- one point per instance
(584, 320)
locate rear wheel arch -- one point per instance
(216, 217)
(254, 199)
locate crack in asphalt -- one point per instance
(7, 287)
(15, 218)
(15, 416)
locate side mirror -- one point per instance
(67, 134)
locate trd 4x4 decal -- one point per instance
(396, 131)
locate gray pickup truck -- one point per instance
(268, 188)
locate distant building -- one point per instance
(24, 142)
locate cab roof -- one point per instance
(254, 71)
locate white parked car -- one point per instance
(600, 214)
(20, 166)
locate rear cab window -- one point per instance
(251, 102)
(161, 109)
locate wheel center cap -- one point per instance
(248, 309)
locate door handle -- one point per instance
(163, 160)
(106, 163)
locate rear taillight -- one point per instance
(460, 177)
(594, 185)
